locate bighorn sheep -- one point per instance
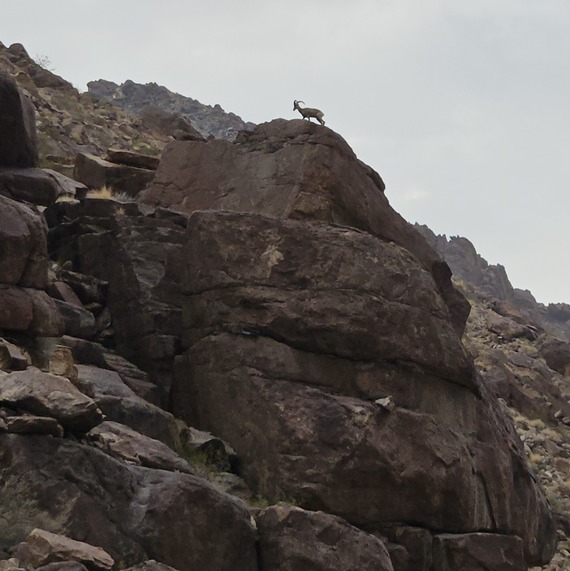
(307, 112)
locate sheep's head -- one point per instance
(296, 104)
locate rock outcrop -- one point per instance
(291, 169)
(308, 339)
(311, 340)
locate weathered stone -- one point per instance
(42, 547)
(29, 185)
(410, 548)
(556, 353)
(46, 317)
(123, 442)
(318, 288)
(29, 310)
(95, 172)
(45, 394)
(132, 159)
(78, 321)
(120, 404)
(11, 357)
(143, 293)
(131, 512)
(23, 256)
(18, 139)
(292, 169)
(29, 424)
(294, 539)
(91, 353)
(478, 552)
(67, 187)
(62, 291)
(16, 310)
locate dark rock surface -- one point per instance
(279, 365)
(23, 257)
(297, 540)
(478, 551)
(50, 395)
(18, 139)
(122, 509)
(95, 172)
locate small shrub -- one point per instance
(107, 193)
(104, 192)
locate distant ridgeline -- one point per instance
(491, 281)
(135, 97)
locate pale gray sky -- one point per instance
(462, 106)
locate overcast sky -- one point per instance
(462, 106)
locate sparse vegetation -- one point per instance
(107, 193)
(44, 61)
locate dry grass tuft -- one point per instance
(104, 192)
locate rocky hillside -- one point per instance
(491, 282)
(522, 350)
(256, 364)
(130, 117)
(137, 98)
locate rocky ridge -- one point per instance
(143, 99)
(278, 303)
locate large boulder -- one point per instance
(18, 139)
(95, 172)
(31, 185)
(291, 169)
(326, 357)
(29, 310)
(123, 442)
(23, 236)
(119, 403)
(50, 395)
(42, 548)
(131, 512)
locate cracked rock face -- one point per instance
(292, 169)
(280, 361)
